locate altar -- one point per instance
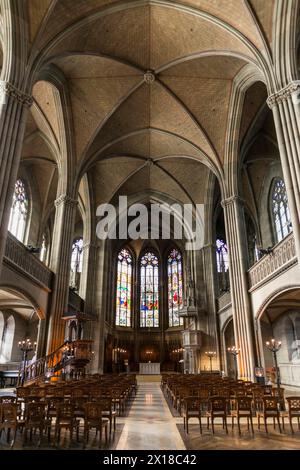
(149, 368)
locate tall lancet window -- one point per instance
(19, 211)
(124, 287)
(149, 300)
(280, 210)
(76, 262)
(175, 287)
(222, 264)
(222, 256)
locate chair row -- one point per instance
(37, 418)
(217, 407)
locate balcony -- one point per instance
(18, 257)
(224, 301)
(282, 257)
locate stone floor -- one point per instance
(220, 441)
(149, 425)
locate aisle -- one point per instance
(150, 425)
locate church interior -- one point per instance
(155, 342)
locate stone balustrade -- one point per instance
(282, 257)
(19, 257)
(224, 301)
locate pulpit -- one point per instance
(149, 368)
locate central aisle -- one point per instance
(150, 424)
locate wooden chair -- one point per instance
(93, 418)
(270, 410)
(8, 399)
(258, 395)
(108, 412)
(66, 419)
(243, 410)
(279, 394)
(217, 409)
(293, 411)
(8, 420)
(191, 409)
(35, 418)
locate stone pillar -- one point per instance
(260, 344)
(242, 317)
(100, 301)
(88, 275)
(60, 263)
(209, 261)
(13, 113)
(285, 105)
(87, 284)
(41, 343)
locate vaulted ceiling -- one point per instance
(149, 84)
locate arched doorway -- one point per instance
(20, 320)
(229, 341)
(280, 319)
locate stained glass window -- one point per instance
(124, 283)
(222, 256)
(18, 213)
(149, 300)
(280, 210)
(76, 262)
(175, 287)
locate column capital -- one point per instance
(231, 200)
(67, 200)
(7, 89)
(283, 94)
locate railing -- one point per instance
(281, 258)
(224, 301)
(43, 367)
(78, 353)
(18, 256)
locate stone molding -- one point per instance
(91, 245)
(8, 89)
(65, 199)
(283, 94)
(224, 301)
(231, 200)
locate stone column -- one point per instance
(209, 261)
(88, 275)
(14, 105)
(41, 343)
(87, 284)
(285, 105)
(60, 263)
(242, 317)
(100, 302)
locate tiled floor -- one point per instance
(150, 424)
